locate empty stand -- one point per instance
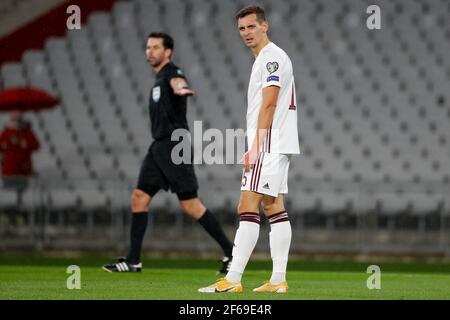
(373, 105)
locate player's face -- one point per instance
(156, 53)
(251, 30)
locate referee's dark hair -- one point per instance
(167, 40)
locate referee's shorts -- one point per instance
(159, 172)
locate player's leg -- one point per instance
(193, 207)
(255, 183)
(183, 181)
(149, 182)
(280, 242)
(244, 242)
(280, 232)
(140, 203)
(246, 235)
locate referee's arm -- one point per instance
(180, 87)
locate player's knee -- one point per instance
(249, 202)
(186, 207)
(193, 208)
(140, 200)
(242, 207)
(272, 208)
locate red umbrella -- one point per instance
(26, 99)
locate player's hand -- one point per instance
(185, 91)
(249, 159)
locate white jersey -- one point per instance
(273, 67)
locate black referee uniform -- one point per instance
(167, 113)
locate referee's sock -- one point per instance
(212, 226)
(139, 222)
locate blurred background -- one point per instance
(374, 114)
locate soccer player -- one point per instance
(167, 108)
(273, 139)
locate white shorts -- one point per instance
(269, 175)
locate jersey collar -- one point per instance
(161, 72)
(264, 48)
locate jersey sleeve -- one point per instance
(176, 72)
(271, 69)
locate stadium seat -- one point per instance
(12, 75)
(8, 198)
(373, 106)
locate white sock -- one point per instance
(244, 242)
(280, 242)
(277, 278)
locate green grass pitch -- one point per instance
(178, 279)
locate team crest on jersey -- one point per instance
(156, 93)
(272, 67)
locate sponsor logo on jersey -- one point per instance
(272, 67)
(156, 93)
(180, 72)
(273, 78)
(266, 186)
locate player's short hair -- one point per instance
(259, 11)
(167, 40)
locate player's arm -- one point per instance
(180, 87)
(265, 118)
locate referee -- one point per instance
(167, 108)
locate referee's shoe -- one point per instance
(122, 266)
